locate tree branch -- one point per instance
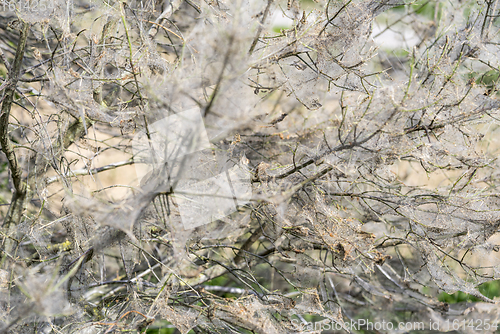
(87, 171)
(160, 21)
(19, 186)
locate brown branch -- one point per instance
(219, 79)
(160, 21)
(247, 245)
(14, 213)
(87, 171)
(259, 30)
